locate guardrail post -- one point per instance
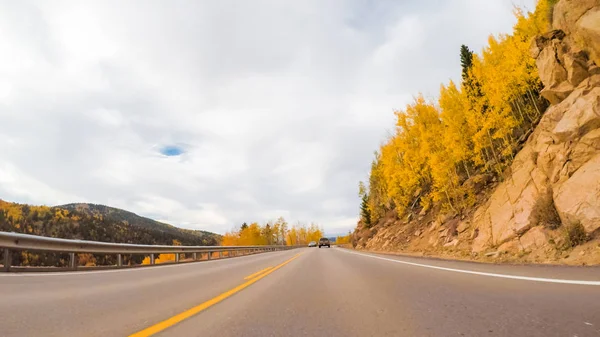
(220, 254)
(7, 260)
(176, 257)
(209, 255)
(152, 259)
(72, 261)
(195, 256)
(119, 260)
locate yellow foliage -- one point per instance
(230, 239)
(302, 234)
(161, 258)
(471, 129)
(13, 211)
(86, 259)
(341, 240)
(272, 234)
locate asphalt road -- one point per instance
(306, 292)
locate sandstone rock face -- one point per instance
(535, 238)
(557, 173)
(462, 226)
(576, 66)
(561, 65)
(552, 72)
(514, 206)
(578, 199)
(567, 13)
(581, 20)
(510, 246)
(558, 92)
(582, 117)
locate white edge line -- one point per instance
(514, 277)
(92, 272)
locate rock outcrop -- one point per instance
(557, 173)
(580, 19)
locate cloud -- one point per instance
(210, 114)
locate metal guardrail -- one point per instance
(10, 242)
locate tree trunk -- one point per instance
(533, 100)
(464, 162)
(449, 201)
(494, 153)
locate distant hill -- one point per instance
(93, 222)
(185, 236)
(98, 223)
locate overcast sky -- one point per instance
(206, 114)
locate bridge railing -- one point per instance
(14, 242)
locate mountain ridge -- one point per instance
(118, 214)
(92, 222)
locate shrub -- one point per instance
(548, 215)
(575, 234)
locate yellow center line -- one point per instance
(193, 311)
(257, 273)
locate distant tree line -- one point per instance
(272, 233)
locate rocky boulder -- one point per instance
(578, 199)
(516, 204)
(561, 66)
(581, 20)
(577, 67)
(555, 179)
(582, 117)
(535, 238)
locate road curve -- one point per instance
(306, 292)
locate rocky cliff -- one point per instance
(547, 207)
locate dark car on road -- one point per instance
(324, 242)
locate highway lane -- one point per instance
(116, 302)
(321, 292)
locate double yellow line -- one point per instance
(258, 273)
(156, 328)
